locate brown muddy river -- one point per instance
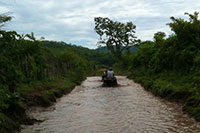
(128, 108)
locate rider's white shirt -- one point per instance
(110, 74)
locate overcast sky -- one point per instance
(72, 21)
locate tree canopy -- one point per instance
(115, 35)
(4, 19)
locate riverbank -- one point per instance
(172, 86)
(40, 93)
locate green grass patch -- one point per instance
(48, 96)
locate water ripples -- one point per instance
(128, 108)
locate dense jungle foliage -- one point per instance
(35, 72)
(170, 66)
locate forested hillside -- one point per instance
(100, 58)
(106, 50)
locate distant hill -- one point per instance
(99, 57)
(105, 49)
(62, 46)
(102, 49)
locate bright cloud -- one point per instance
(72, 21)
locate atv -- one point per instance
(109, 82)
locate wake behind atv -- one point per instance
(109, 82)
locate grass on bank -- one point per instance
(37, 93)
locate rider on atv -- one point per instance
(104, 76)
(110, 80)
(110, 73)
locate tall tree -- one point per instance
(115, 35)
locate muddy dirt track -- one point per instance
(90, 108)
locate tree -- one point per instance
(159, 36)
(115, 35)
(4, 19)
(187, 32)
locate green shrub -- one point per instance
(6, 124)
(4, 97)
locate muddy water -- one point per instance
(128, 108)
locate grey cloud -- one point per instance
(72, 20)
